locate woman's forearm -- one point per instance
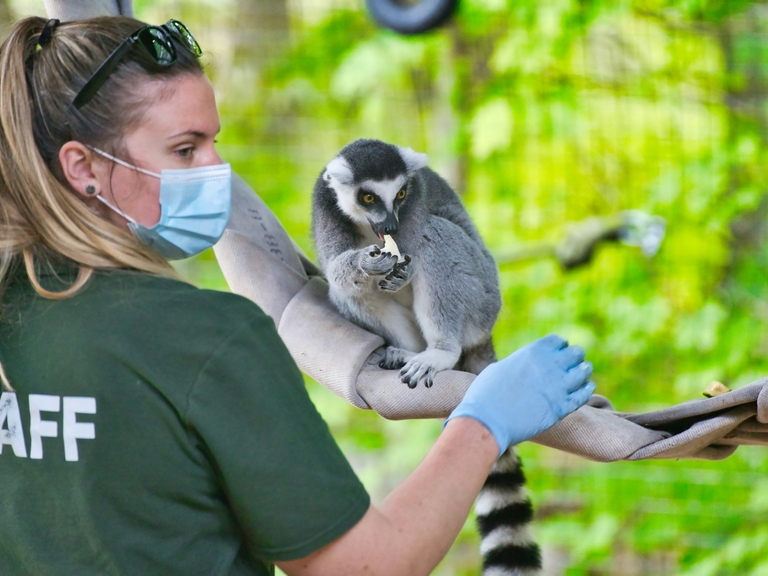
(433, 503)
(413, 528)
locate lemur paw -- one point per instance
(374, 262)
(397, 278)
(424, 365)
(414, 372)
(395, 358)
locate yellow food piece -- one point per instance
(716, 389)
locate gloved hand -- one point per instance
(528, 391)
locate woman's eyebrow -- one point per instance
(193, 133)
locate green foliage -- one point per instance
(542, 114)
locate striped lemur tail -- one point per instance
(503, 511)
(504, 514)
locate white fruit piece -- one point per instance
(716, 389)
(391, 247)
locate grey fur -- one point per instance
(439, 306)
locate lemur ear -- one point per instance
(338, 169)
(413, 160)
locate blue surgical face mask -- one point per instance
(195, 207)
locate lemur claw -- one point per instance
(414, 372)
(395, 358)
(402, 266)
(398, 276)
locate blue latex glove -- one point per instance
(528, 391)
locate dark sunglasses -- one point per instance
(156, 42)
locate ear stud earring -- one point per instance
(90, 189)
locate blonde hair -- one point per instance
(41, 218)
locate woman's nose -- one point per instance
(212, 158)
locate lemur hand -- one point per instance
(528, 391)
(397, 278)
(374, 262)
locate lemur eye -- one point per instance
(401, 194)
(368, 198)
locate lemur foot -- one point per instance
(415, 374)
(374, 262)
(424, 366)
(400, 274)
(395, 358)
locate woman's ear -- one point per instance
(77, 163)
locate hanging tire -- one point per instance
(411, 18)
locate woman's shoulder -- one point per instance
(157, 300)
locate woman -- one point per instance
(148, 427)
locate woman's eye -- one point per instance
(185, 152)
(368, 198)
(401, 194)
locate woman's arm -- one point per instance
(413, 528)
(510, 401)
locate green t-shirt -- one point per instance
(159, 429)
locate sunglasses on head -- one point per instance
(156, 42)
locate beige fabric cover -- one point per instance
(261, 262)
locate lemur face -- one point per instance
(374, 200)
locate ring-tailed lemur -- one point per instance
(435, 308)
